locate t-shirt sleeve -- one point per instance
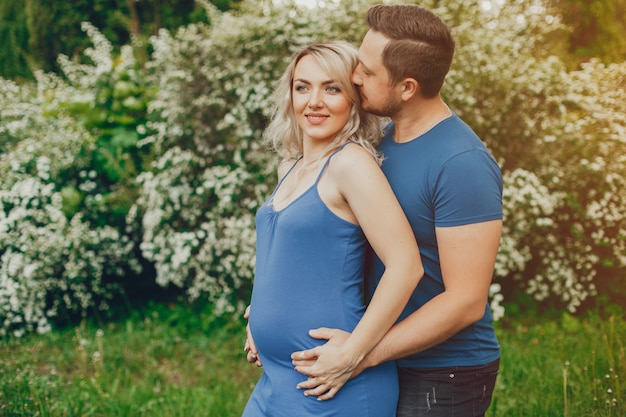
(468, 190)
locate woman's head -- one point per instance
(337, 60)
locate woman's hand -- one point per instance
(252, 354)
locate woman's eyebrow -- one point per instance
(304, 81)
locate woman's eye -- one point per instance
(334, 89)
(300, 88)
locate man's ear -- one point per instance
(410, 88)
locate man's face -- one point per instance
(372, 79)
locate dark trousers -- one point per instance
(460, 391)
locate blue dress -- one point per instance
(309, 274)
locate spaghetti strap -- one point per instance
(328, 160)
(285, 176)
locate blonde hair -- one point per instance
(338, 59)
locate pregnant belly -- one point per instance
(279, 329)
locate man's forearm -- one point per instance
(435, 322)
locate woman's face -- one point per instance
(321, 106)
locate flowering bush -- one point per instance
(198, 226)
(50, 265)
(197, 203)
(560, 139)
(107, 96)
(117, 163)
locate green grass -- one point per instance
(168, 362)
(177, 361)
(568, 367)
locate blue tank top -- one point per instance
(309, 274)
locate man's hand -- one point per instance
(252, 354)
(327, 366)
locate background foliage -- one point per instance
(33, 33)
(138, 166)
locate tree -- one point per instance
(13, 40)
(596, 28)
(36, 32)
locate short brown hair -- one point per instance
(421, 45)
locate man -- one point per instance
(450, 188)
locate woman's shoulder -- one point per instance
(353, 158)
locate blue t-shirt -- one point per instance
(444, 178)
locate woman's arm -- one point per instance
(370, 200)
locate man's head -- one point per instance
(405, 42)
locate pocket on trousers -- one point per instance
(484, 385)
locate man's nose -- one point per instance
(356, 77)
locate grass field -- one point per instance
(176, 361)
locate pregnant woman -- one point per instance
(332, 200)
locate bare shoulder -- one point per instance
(353, 159)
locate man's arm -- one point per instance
(467, 255)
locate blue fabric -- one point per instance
(443, 178)
(309, 273)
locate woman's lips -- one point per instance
(316, 118)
